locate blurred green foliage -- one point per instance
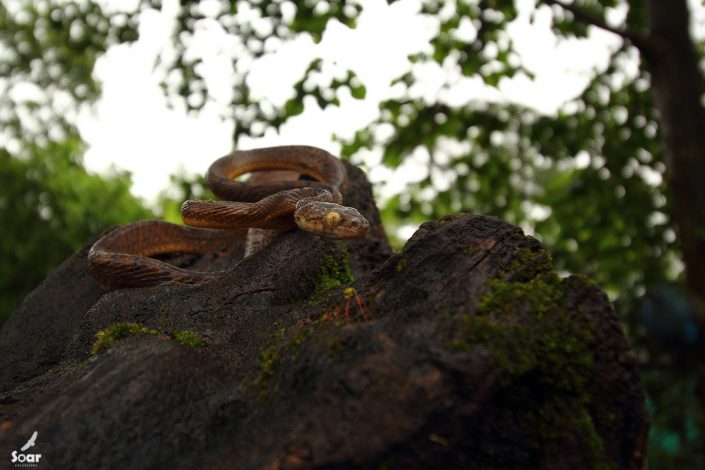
(50, 207)
(182, 186)
(587, 180)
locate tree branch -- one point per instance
(638, 41)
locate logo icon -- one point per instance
(30, 442)
(22, 460)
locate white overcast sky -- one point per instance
(133, 129)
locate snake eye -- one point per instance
(333, 218)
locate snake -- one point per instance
(124, 256)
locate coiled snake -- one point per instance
(121, 258)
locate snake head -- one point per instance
(331, 220)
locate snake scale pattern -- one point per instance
(122, 258)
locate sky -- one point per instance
(132, 128)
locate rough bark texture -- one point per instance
(467, 353)
(678, 89)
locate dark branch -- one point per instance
(638, 41)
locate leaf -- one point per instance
(294, 107)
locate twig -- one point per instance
(638, 41)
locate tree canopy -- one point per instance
(50, 207)
(609, 183)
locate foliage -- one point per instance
(49, 51)
(50, 204)
(182, 187)
(256, 28)
(587, 180)
(51, 207)
(676, 430)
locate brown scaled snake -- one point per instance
(121, 258)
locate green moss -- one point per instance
(117, 331)
(269, 360)
(164, 321)
(542, 293)
(585, 279)
(553, 346)
(188, 338)
(401, 265)
(335, 272)
(323, 341)
(582, 420)
(553, 341)
(504, 342)
(527, 264)
(273, 357)
(476, 330)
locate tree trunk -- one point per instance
(462, 351)
(678, 87)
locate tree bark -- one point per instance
(464, 350)
(677, 86)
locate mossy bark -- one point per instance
(463, 350)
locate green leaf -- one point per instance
(294, 107)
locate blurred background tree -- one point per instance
(51, 207)
(611, 183)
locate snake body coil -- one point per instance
(121, 258)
